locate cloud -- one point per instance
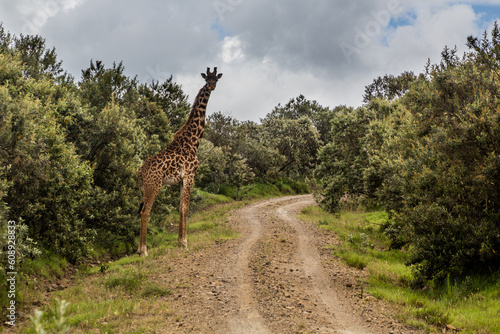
(232, 49)
(151, 40)
(34, 14)
(269, 52)
(251, 88)
(408, 46)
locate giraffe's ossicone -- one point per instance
(176, 164)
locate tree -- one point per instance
(486, 51)
(99, 86)
(38, 61)
(389, 87)
(341, 161)
(221, 129)
(260, 152)
(48, 185)
(295, 139)
(170, 101)
(444, 163)
(301, 107)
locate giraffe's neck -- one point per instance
(195, 125)
(197, 115)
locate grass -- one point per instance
(154, 290)
(471, 304)
(353, 259)
(118, 294)
(46, 267)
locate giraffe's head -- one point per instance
(211, 77)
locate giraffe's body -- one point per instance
(176, 164)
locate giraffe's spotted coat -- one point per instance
(176, 164)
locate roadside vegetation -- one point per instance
(106, 295)
(467, 304)
(426, 149)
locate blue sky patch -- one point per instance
(405, 20)
(221, 31)
(488, 13)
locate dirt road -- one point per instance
(279, 277)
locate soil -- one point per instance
(279, 277)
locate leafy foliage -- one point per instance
(246, 151)
(342, 160)
(389, 87)
(297, 140)
(427, 148)
(69, 154)
(450, 197)
(41, 167)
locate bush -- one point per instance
(444, 167)
(49, 186)
(432, 158)
(342, 161)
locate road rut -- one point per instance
(260, 221)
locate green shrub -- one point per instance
(49, 185)
(443, 167)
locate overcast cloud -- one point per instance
(269, 52)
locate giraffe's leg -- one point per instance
(186, 186)
(146, 209)
(143, 248)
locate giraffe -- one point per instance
(176, 164)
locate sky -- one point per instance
(268, 51)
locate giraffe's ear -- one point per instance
(203, 75)
(219, 76)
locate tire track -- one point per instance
(308, 256)
(248, 319)
(254, 221)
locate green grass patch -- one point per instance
(91, 314)
(129, 284)
(153, 290)
(260, 190)
(202, 200)
(47, 267)
(354, 260)
(128, 260)
(471, 304)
